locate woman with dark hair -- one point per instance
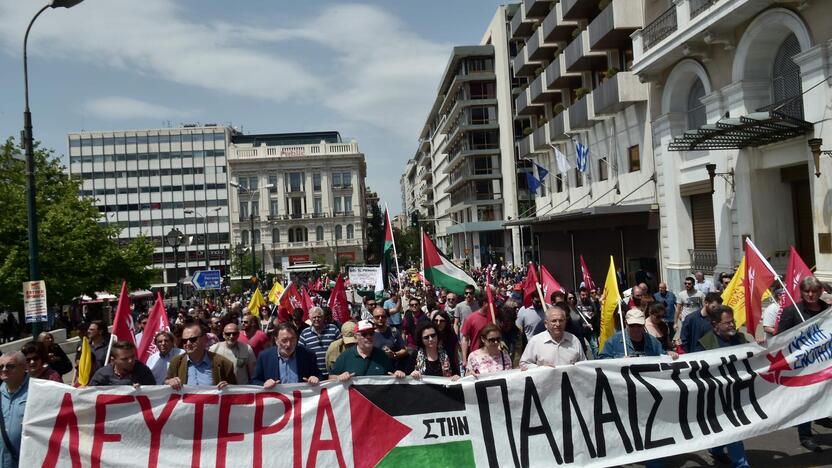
(655, 324)
(447, 338)
(35, 354)
(490, 357)
(55, 356)
(430, 357)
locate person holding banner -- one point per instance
(430, 357)
(810, 291)
(556, 347)
(490, 357)
(199, 366)
(363, 359)
(158, 362)
(14, 392)
(240, 354)
(124, 368)
(286, 362)
(638, 342)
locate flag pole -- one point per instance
(623, 330)
(393, 239)
(749, 243)
(786, 290)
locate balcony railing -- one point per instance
(558, 126)
(323, 149)
(698, 6)
(659, 29)
(555, 28)
(618, 92)
(703, 260)
(612, 28)
(537, 8)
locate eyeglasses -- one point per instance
(415, 304)
(439, 320)
(192, 339)
(371, 304)
(379, 317)
(8, 367)
(432, 336)
(469, 293)
(367, 334)
(688, 284)
(493, 340)
(245, 322)
(232, 334)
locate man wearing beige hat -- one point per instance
(638, 342)
(338, 346)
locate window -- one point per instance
(255, 208)
(316, 182)
(483, 90)
(579, 180)
(786, 86)
(273, 207)
(337, 204)
(483, 114)
(297, 207)
(252, 183)
(482, 165)
(559, 183)
(243, 210)
(350, 231)
(696, 110)
(348, 204)
(273, 183)
(336, 179)
(338, 232)
(242, 182)
(603, 169)
(255, 237)
(318, 206)
(634, 156)
(275, 236)
(295, 182)
(244, 237)
(346, 179)
(319, 233)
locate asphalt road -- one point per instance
(779, 449)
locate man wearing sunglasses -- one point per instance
(158, 362)
(465, 308)
(363, 358)
(13, 395)
(240, 354)
(199, 366)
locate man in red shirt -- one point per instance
(470, 332)
(252, 334)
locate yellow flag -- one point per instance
(734, 294)
(256, 302)
(276, 291)
(609, 302)
(85, 363)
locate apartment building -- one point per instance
(151, 181)
(297, 197)
(574, 84)
(740, 98)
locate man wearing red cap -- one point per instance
(363, 358)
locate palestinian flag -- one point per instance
(388, 250)
(440, 271)
(429, 423)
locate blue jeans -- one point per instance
(736, 452)
(593, 345)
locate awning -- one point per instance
(589, 212)
(755, 129)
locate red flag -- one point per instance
(156, 322)
(758, 277)
(338, 301)
(530, 285)
(306, 304)
(319, 285)
(288, 301)
(123, 323)
(548, 282)
(588, 283)
(795, 272)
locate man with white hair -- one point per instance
(555, 347)
(318, 337)
(14, 392)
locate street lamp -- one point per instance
(205, 231)
(251, 194)
(175, 238)
(29, 150)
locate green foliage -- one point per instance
(78, 254)
(241, 263)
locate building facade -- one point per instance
(739, 91)
(297, 197)
(151, 181)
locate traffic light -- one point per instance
(414, 220)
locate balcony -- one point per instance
(468, 173)
(555, 28)
(323, 149)
(541, 94)
(557, 78)
(703, 260)
(558, 127)
(538, 49)
(612, 28)
(524, 146)
(540, 139)
(467, 151)
(581, 114)
(579, 56)
(523, 105)
(523, 66)
(247, 218)
(579, 9)
(521, 25)
(537, 8)
(663, 26)
(618, 92)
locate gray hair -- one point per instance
(17, 356)
(316, 309)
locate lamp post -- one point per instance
(251, 194)
(29, 152)
(174, 238)
(205, 231)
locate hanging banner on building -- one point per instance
(34, 301)
(597, 413)
(363, 276)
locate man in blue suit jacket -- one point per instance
(286, 363)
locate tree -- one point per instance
(78, 253)
(241, 263)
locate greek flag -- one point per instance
(583, 156)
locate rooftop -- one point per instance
(287, 139)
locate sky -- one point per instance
(369, 70)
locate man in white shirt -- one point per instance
(771, 312)
(158, 362)
(703, 284)
(556, 347)
(240, 354)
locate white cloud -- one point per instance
(123, 108)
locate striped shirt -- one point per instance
(318, 344)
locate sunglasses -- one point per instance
(367, 334)
(432, 336)
(192, 339)
(245, 322)
(8, 367)
(232, 334)
(492, 340)
(414, 305)
(379, 317)
(469, 293)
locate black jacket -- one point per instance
(268, 368)
(790, 318)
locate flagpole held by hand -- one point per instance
(786, 290)
(623, 329)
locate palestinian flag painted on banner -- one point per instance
(388, 250)
(440, 271)
(430, 412)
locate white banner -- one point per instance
(597, 413)
(34, 301)
(363, 276)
